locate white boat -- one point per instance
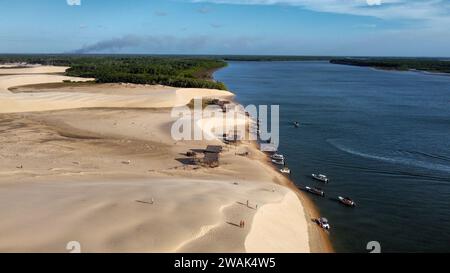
(277, 157)
(285, 170)
(323, 223)
(278, 161)
(321, 177)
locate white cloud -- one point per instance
(373, 2)
(423, 10)
(74, 2)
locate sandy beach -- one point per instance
(96, 163)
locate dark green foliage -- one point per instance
(174, 71)
(423, 64)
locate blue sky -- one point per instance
(281, 27)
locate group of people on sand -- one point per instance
(242, 224)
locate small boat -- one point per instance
(285, 170)
(321, 177)
(278, 161)
(323, 223)
(347, 201)
(315, 191)
(277, 157)
(296, 124)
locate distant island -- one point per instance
(401, 64)
(274, 58)
(434, 65)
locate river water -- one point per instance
(383, 137)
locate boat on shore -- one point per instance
(321, 177)
(277, 156)
(285, 170)
(278, 161)
(347, 201)
(323, 223)
(315, 191)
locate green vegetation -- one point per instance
(403, 64)
(192, 72)
(195, 71)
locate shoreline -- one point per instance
(319, 241)
(208, 74)
(393, 69)
(122, 132)
(423, 72)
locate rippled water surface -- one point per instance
(382, 136)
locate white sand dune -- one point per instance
(46, 101)
(24, 102)
(286, 216)
(216, 124)
(117, 216)
(37, 69)
(90, 175)
(9, 81)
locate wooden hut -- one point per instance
(216, 149)
(211, 158)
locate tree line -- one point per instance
(173, 71)
(423, 64)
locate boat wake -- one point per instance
(403, 157)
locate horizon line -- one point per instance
(231, 55)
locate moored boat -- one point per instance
(347, 201)
(315, 191)
(321, 177)
(285, 170)
(278, 161)
(323, 223)
(277, 156)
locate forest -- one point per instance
(403, 64)
(176, 71)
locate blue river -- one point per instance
(383, 137)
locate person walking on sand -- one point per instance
(247, 203)
(243, 224)
(240, 224)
